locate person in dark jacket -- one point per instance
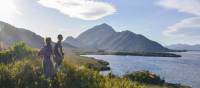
(58, 52)
(47, 53)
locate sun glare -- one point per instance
(8, 8)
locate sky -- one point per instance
(165, 21)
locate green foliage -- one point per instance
(28, 73)
(145, 77)
(17, 51)
(89, 62)
(5, 56)
(21, 50)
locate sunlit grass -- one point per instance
(23, 69)
(28, 73)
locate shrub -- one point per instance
(145, 77)
(5, 56)
(28, 73)
(17, 51)
(21, 50)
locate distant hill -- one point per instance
(184, 47)
(104, 37)
(75, 42)
(10, 34)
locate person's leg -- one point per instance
(51, 69)
(45, 70)
(56, 67)
(57, 63)
(48, 68)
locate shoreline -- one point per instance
(152, 54)
(105, 65)
(108, 68)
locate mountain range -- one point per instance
(104, 37)
(184, 47)
(100, 37)
(10, 34)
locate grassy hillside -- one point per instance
(25, 71)
(28, 73)
(86, 61)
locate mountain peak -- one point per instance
(127, 31)
(104, 26)
(70, 37)
(104, 37)
(72, 41)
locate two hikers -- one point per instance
(48, 52)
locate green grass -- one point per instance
(27, 72)
(145, 77)
(86, 61)
(17, 51)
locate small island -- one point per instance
(152, 54)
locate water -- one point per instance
(184, 70)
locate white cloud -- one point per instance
(189, 23)
(82, 9)
(186, 6)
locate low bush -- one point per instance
(27, 73)
(145, 77)
(17, 51)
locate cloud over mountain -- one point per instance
(185, 6)
(82, 9)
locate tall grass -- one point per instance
(25, 70)
(145, 77)
(17, 51)
(28, 73)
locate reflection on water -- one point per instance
(184, 70)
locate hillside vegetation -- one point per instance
(21, 68)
